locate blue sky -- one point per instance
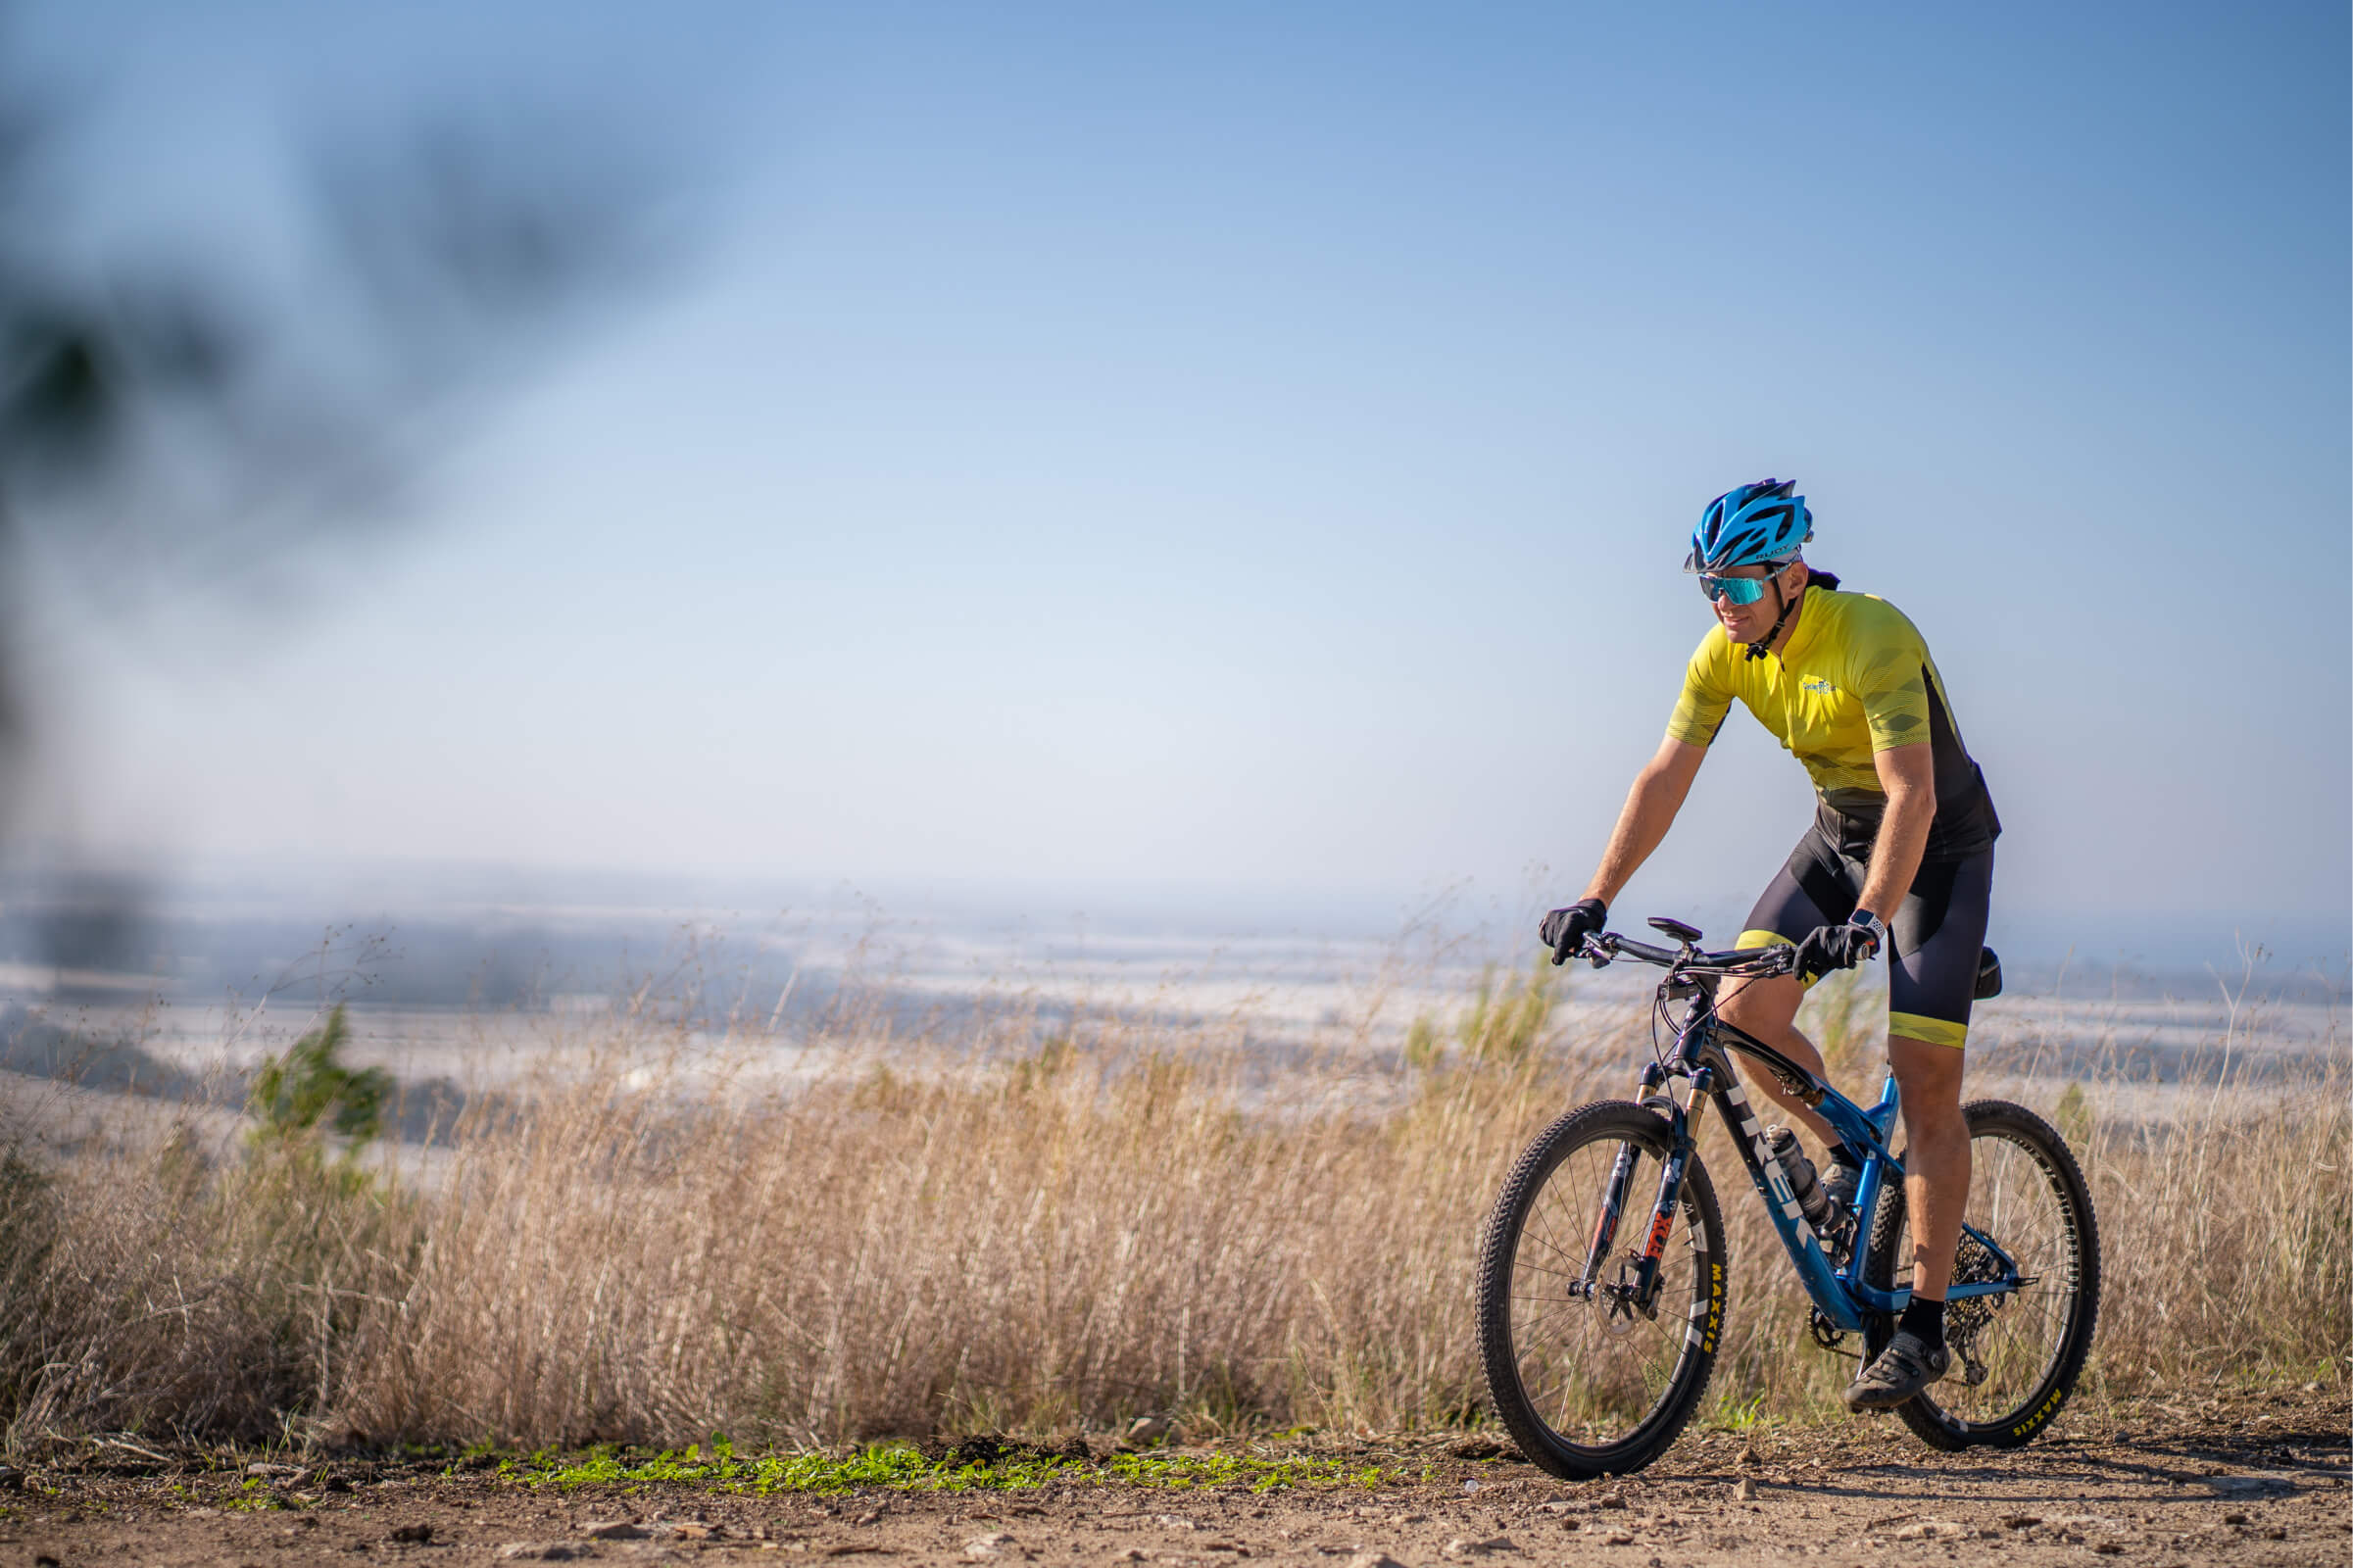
(1201, 448)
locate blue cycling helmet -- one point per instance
(1763, 521)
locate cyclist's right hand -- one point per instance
(1564, 930)
(1839, 946)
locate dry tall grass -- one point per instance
(1122, 1223)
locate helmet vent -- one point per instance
(1762, 523)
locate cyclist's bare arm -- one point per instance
(1650, 810)
(1908, 774)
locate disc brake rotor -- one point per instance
(1619, 1314)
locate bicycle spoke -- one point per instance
(1591, 1373)
(1595, 1367)
(2010, 1340)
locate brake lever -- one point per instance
(1598, 951)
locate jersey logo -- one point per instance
(1815, 683)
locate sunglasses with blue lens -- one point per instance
(1739, 590)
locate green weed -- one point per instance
(293, 1094)
(904, 1468)
(1501, 1024)
(2072, 1116)
(1740, 1416)
(253, 1496)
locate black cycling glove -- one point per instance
(1838, 947)
(1564, 930)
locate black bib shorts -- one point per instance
(1935, 934)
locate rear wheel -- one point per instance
(2016, 1355)
(1590, 1381)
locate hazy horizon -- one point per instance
(389, 896)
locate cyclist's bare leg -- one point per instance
(1767, 1007)
(1936, 1159)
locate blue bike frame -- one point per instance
(1702, 1056)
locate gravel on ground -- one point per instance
(2254, 1478)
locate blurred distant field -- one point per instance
(1035, 1208)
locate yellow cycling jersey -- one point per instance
(1854, 679)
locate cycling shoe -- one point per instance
(1906, 1366)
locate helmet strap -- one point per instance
(1764, 645)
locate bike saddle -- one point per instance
(1674, 928)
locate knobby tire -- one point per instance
(2071, 1301)
(1519, 1254)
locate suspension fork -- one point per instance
(1644, 1293)
(1614, 1195)
(1670, 1195)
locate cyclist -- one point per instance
(1899, 861)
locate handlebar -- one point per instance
(1744, 962)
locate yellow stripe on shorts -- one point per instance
(1933, 1031)
(1769, 939)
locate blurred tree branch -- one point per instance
(165, 434)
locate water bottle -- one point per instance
(1812, 1200)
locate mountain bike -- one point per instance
(1598, 1353)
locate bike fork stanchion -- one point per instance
(1605, 1230)
(1662, 1220)
(1613, 1196)
(1646, 1085)
(1670, 1195)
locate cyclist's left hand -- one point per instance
(1836, 947)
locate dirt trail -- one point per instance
(2253, 1479)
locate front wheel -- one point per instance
(2016, 1354)
(1590, 1379)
